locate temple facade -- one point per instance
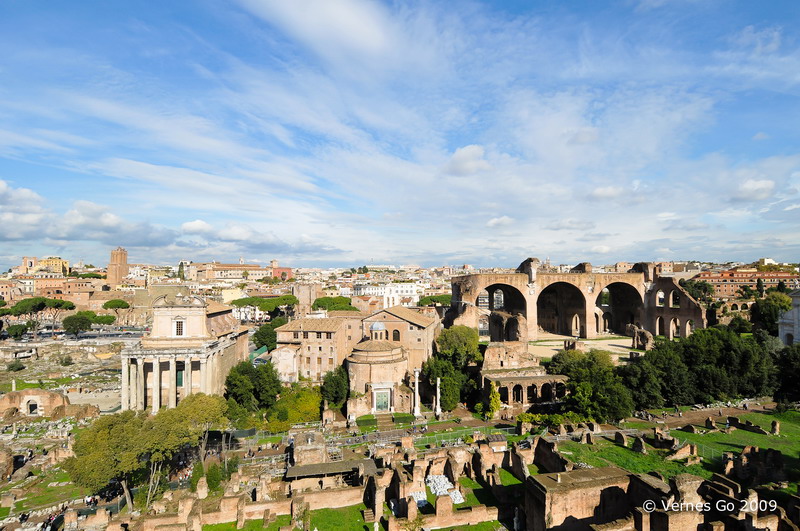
(191, 348)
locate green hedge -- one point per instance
(366, 421)
(403, 418)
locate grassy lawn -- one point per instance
(4, 511)
(252, 525)
(483, 526)
(475, 494)
(344, 519)
(275, 439)
(606, 453)
(41, 494)
(507, 478)
(533, 469)
(788, 442)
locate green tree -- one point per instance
(30, 308)
(181, 272)
(494, 401)
(335, 386)
(240, 385)
(740, 325)
(459, 345)
(116, 305)
(55, 306)
(75, 324)
(433, 300)
(267, 386)
(745, 292)
(17, 331)
(266, 336)
(765, 313)
(760, 287)
(214, 477)
(334, 304)
(109, 449)
(203, 413)
(449, 392)
(596, 391)
(15, 366)
(699, 290)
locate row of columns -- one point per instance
(134, 383)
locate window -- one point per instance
(330, 362)
(308, 361)
(328, 335)
(319, 335)
(297, 335)
(396, 335)
(305, 335)
(319, 362)
(320, 348)
(179, 378)
(178, 328)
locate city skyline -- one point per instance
(346, 133)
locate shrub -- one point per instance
(15, 366)
(214, 477)
(197, 473)
(366, 422)
(65, 360)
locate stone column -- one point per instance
(416, 393)
(156, 394)
(187, 377)
(141, 385)
(203, 375)
(172, 401)
(438, 398)
(125, 400)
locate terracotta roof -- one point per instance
(346, 313)
(216, 307)
(407, 314)
(308, 324)
(376, 345)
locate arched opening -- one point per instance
(483, 326)
(503, 395)
(253, 495)
(497, 302)
(660, 298)
(547, 392)
(674, 299)
(561, 309)
(561, 390)
(32, 408)
(532, 394)
(689, 325)
(674, 328)
(735, 307)
(660, 326)
(621, 305)
(517, 394)
(507, 321)
(597, 324)
(745, 306)
(789, 340)
(395, 335)
(576, 327)
(483, 300)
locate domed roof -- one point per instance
(377, 325)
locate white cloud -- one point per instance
(760, 136)
(607, 192)
(570, 224)
(754, 190)
(467, 160)
(197, 226)
(501, 221)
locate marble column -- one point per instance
(156, 394)
(140, 384)
(416, 393)
(438, 398)
(172, 401)
(203, 375)
(125, 399)
(187, 377)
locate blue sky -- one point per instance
(346, 132)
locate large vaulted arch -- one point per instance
(561, 309)
(621, 305)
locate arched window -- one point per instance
(396, 335)
(674, 299)
(660, 298)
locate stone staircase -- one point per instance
(369, 515)
(384, 421)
